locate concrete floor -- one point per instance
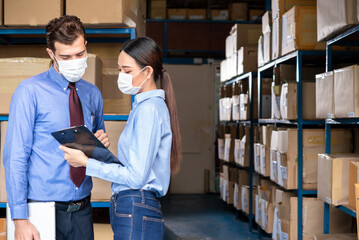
(202, 216)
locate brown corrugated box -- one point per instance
(266, 22)
(245, 199)
(93, 72)
(333, 178)
(114, 101)
(229, 143)
(335, 16)
(197, 14)
(324, 95)
(346, 92)
(102, 231)
(353, 178)
(101, 190)
(1, 12)
(177, 13)
(339, 236)
(158, 9)
(313, 144)
(2, 228)
(3, 195)
(276, 38)
(238, 11)
(219, 14)
(31, 12)
(246, 60)
(267, 47)
(245, 35)
(299, 30)
(130, 13)
(279, 7)
(255, 14)
(289, 100)
(15, 70)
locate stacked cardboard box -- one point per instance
(243, 180)
(197, 14)
(324, 94)
(339, 236)
(299, 30)
(225, 104)
(255, 14)
(264, 203)
(335, 16)
(285, 223)
(219, 14)
(158, 9)
(220, 141)
(228, 178)
(284, 155)
(245, 191)
(229, 143)
(31, 13)
(238, 11)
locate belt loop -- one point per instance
(142, 196)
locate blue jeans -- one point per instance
(136, 215)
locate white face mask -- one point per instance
(72, 70)
(125, 83)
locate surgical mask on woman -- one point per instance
(125, 83)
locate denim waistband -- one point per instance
(134, 192)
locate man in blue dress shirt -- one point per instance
(35, 167)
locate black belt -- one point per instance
(71, 206)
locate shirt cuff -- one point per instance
(92, 167)
(19, 212)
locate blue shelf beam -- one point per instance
(241, 77)
(198, 21)
(100, 204)
(346, 121)
(115, 117)
(348, 211)
(292, 122)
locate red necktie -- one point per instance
(77, 174)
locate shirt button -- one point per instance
(77, 188)
(64, 89)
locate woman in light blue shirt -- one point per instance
(149, 146)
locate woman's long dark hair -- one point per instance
(147, 53)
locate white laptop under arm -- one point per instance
(41, 215)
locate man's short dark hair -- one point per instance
(65, 30)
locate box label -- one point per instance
(328, 200)
(256, 159)
(263, 213)
(237, 150)
(284, 236)
(263, 159)
(284, 172)
(257, 209)
(220, 148)
(351, 114)
(244, 200)
(227, 147)
(235, 196)
(235, 107)
(279, 172)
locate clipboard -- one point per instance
(81, 138)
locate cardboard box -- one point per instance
(256, 156)
(229, 46)
(235, 107)
(238, 11)
(127, 12)
(177, 13)
(247, 60)
(255, 14)
(286, 73)
(93, 72)
(219, 14)
(155, 4)
(267, 47)
(324, 95)
(229, 144)
(245, 199)
(103, 231)
(313, 144)
(353, 179)
(2, 228)
(275, 93)
(346, 92)
(299, 30)
(339, 236)
(334, 17)
(260, 54)
(3, 195)
(245, 35)
(333, 178)
(158, 9)
(266, 22)
(265, 160)
(114, 101)
(279, 7)
(15, 70)
(289, 100)
(276, 38)
(236, 197)
(223, 71)
(31, 12)
(232, 66)
(1, 12)
(101, 190)
(197, 14)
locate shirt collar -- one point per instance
(146, 95)
(58, 78)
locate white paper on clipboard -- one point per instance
(41, 215)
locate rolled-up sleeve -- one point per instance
(17, 149)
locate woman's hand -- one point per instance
(74, 157)
(103, 137)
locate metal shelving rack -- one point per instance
(251, 122)
(94, 35)
(299, 58)
(348, 38)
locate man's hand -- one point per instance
(25, 230)
(102, 136)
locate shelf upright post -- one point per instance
(259, 88)
(300, 145)
(328, 134)
(328, 57)
(251, 153)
